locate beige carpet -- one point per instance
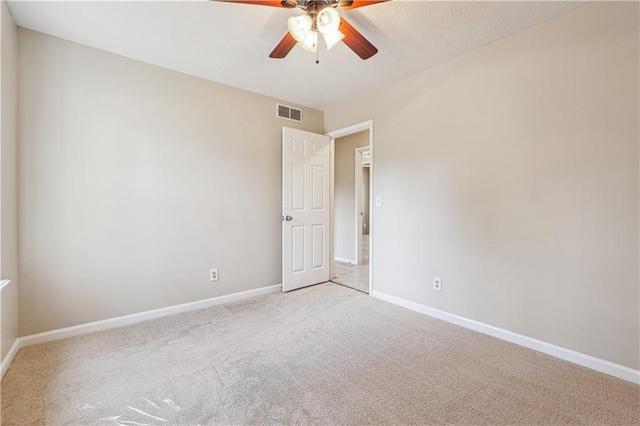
(322, 355)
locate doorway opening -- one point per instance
(351, 210)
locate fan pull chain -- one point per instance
(317, 54)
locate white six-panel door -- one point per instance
(305, 208)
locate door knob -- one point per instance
(288, 218)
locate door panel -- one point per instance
(298, 248)
(318, 246)
(318, 187)
(298, 187)
(305, 195)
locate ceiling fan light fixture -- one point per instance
(328, 20)
(310, 41)
(331, 39)
(299, 27)
(320, 16)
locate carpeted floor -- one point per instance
(321, 355)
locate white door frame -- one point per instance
(346, 131)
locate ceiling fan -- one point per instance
(321, 18)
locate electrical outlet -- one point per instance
(213, 275)
(437, 283)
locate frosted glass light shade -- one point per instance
(328, 21)
(299, 26)
(332, 38)
(310, 41)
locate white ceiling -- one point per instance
(230, 43)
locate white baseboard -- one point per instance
(588, 361)
(601, 365)
(345, 260)
(92, 327)
(8, 358)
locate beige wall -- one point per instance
(135, 181)
(8, 179)
(365, 200)
(512, 173)
(344, 227)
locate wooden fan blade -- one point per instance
(284, 47)
(272, 3)
(356, 41)
(353, 4)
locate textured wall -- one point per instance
(512, 173)
(135, 181)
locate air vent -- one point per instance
(288, 113)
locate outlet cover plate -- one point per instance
(437, 283)
(213, 275)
